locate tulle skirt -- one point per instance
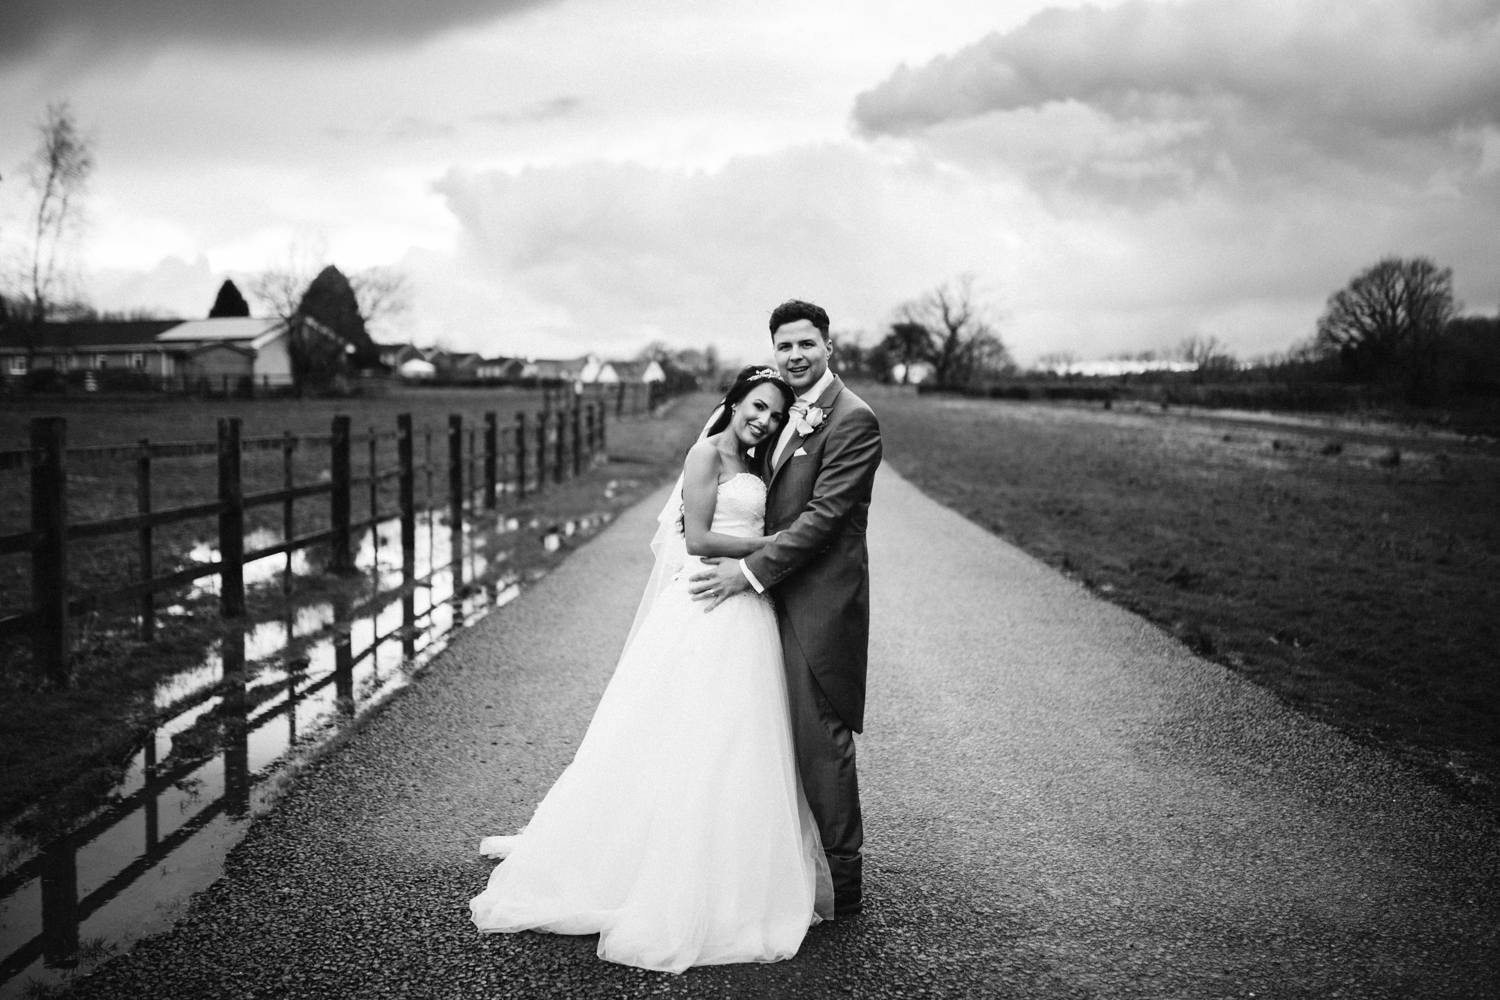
(679, 834)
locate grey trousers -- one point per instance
(825, 760)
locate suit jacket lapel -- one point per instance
(824, 403)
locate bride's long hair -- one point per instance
(748, 378)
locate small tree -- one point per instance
(229, 302)
(331, 300)
(1388, 322)
(907, 343)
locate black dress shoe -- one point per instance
(847, 907)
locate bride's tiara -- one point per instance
(765, 373)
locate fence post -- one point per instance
(620, 400)
(456, 499)
(491, 454)
(49, 560)
(541, 451)
(520, 456)
(603, 441)
(340, 502)
(231, 521)
(588, 432)
(407, 485)
(143, 505)
(560, 446)
(577, 441)
(288, 522)
(374, 512)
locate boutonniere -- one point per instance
(810, 421)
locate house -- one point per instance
(500, 369)
(458, 367)
(393, 356)
(551, 370)
(417, 368)
(216, 360)
(639, 371)
(88, 345)
(596, 370)
(267, 341)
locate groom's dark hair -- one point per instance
(792, 310)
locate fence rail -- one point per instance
(482, 464)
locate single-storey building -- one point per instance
(88, 345)
(266, 343)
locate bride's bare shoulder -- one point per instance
(703, 459)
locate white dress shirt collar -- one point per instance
(819, 387)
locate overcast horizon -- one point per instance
(562, 176)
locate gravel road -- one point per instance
(1060, 801)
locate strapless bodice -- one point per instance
(740, 507)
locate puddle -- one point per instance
(258, 702)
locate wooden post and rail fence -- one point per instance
(559, 440)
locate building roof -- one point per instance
(221, 345)
(243, 329)
(85, 334)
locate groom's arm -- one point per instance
(850, 458)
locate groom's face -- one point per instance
(801, 354)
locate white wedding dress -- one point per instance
(679, 834)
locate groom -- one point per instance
(822, 467)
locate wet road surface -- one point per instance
(1060, 801)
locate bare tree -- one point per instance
(962, 334)
(1206, 354)
(1389, 320)
(384, 295)
(59, 171)
(280, 289)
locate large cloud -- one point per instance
(1153, 98)
(601, 253)
(26, 24)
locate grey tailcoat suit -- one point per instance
(817, 570)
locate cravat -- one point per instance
(789, 432)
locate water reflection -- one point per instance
(257, 702)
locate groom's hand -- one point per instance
(718, 584)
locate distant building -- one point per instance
(264, 345)
(1120, 366)
(639, 371)
(492, 369)
(553, 370)
(88, 345)
(457, 367)
(393, 356)
(417, 368)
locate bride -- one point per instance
(680, 834)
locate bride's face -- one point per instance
(759, 415)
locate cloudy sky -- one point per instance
(557, 176)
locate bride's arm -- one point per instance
(700, 492)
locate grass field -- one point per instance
(64, 747)
(1353, 570)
